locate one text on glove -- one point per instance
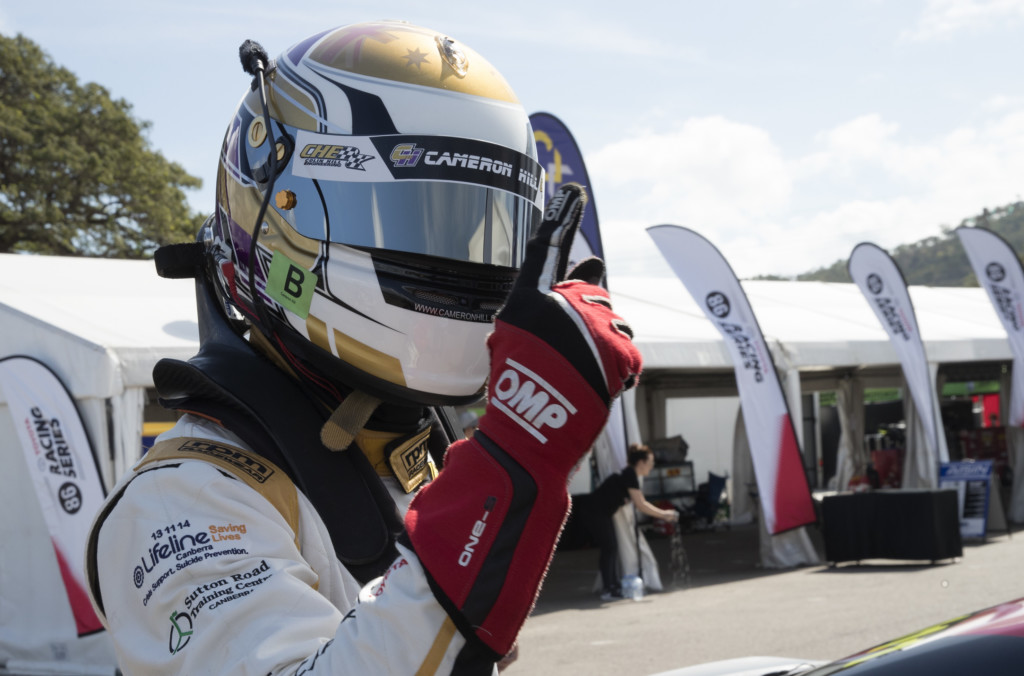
(529, 400)
(474, 538)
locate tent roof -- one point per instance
(101, 324)
(809, 325)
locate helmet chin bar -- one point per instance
(347, 377)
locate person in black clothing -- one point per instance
(593, 512)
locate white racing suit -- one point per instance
(208, 560)
(201, 574)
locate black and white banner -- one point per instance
(877, 276)
(775, 453)
(999, 272)
(63, 469)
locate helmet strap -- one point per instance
(348, 419)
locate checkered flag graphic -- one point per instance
(352, 158)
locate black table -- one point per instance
(892, 524)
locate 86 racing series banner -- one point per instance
(999, 272)
(880, 281)
(63, 469)
(778, 466)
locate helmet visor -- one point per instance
(440, 196)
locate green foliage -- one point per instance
(77, 174)
(941, 261)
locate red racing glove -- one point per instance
(486, 528)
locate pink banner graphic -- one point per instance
(778, 467)
(63, 468)
(999, 272)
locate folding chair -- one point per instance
(708, 502)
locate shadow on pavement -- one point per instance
(713, 557)
(890, 565)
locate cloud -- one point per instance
(1001, 103)
(709, 170)
(720, 177)
(942, 18)
(590, 33)
(893, 191)
(864, 180)
(8, 27)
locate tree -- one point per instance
(77, 174)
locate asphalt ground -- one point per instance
(729, 606)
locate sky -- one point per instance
(784, 131)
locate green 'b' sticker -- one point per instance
(290, 284)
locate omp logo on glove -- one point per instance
(526, 398)
(489, 564)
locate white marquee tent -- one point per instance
(102, 324)
(811, 325)
(823, 336)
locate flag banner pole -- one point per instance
(782, 485)
(560, 156)
(880, 281)
(999, 272)
(62, 465)
(562, 161)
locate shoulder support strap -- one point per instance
(258, 473)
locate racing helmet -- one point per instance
(373, 209)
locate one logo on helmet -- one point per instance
(718, 303)
(875, 284)
(181, 632)
(530, 400)
(995, 271)
(406, 155)
(330, 155)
